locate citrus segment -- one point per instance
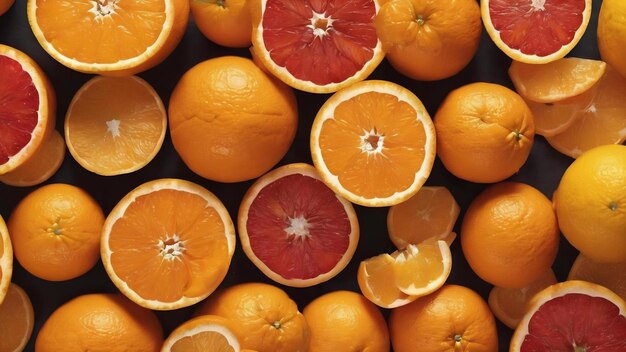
(509, 304)
(6, 260)
(204, 333)
(168, 244)
(378, 283)
(572, 316)
(265, 318)
(373, 143)
(17, 320)
(553, 118)
(603, 121)
(609, 275)
(295, 229)
(536, 31)
(39, 167)
(113, 139)
(317, 46)
(429, 215)
(27, 108)
(423, 268)
(110, 37)
(55, 231)
(557, 80)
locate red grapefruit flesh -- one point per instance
(573, 316)
(318, 46)
(295, 229)
(19, 103)
(536, 31)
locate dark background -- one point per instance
(543, 169)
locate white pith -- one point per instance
(298, 227)
(113, 127)
(230, 337)
(102, 9)
(317, 18)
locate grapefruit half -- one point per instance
(572, 316)
(535, 31)
(295, 229)
(317, 46)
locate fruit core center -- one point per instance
(420, 20)
(458, 338)
(276, 324)
(538, 5)
(172, 248)
(104, 8)
(320, 24)
(113, 127)
(298, 227)
(372, 142)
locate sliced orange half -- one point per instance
(429, 215)
(168, 244)
(553, 118)
(110, 37)
(27, 116)
(609, 275)
(373, 143)
(17, 319)
(6, 259)
(536, 31)
(295, 229)
(602, 122)
(509, 304)
(557, 80)
(316, 46)
(393, 280)
(114, 125)
(204, 333)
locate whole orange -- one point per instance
(484, 132)
(429, 39)
(510, 235)
(55, 232)
(5, 5)
(454, 318)
(230, 121)
(100, 323)
(225, 22)
(346, 321)
(268, 320)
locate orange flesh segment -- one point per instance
(116, 123)
(115, 30)
(16, 319)
(381, 279)
(203, 341)
(374, 143)
(164, 252)
(554, 118)
(429, 215)
(417, 267)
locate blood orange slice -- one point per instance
(535, 31)
(27, 108)
(317, 46)
(572, 316)
(295, 229)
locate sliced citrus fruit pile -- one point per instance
(6, 260)
(373, 143)
(317, 46)
(393, 280)
(17, 319)
(109, 37)
(29, 152)
(55, 232)
(572, 316)
(536, 31)
(601, 122)
(429, 215)
(609, 275)
(168, 244)
(453, 318)
(204, 333)
(509, 304)
(265, 317)
(295, 229)
(115, 138)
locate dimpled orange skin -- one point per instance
(485, 132)
(230, 121)
(510, 235)
(100, 323)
